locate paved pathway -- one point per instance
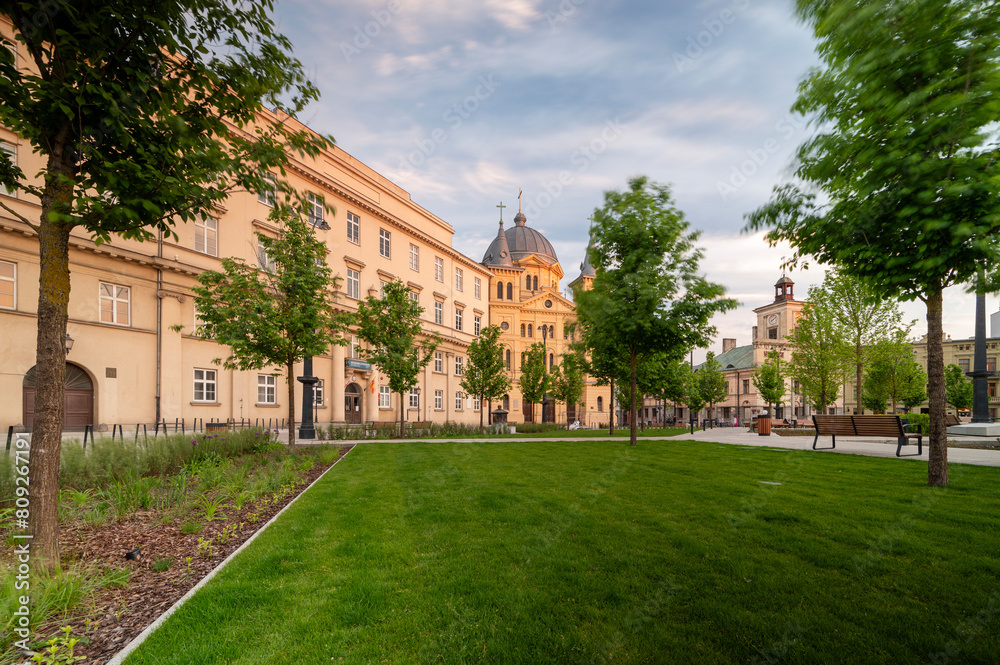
(873, 447)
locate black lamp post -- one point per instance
(306, 429)
(545, 368)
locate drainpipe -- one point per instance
(159, 323)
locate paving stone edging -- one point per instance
(120, 657)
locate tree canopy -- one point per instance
(486, 374)
(648, 296)
(712, 381)
(145, 114)
(568, 377)
(816, 362)
(389, 324)
(958, 388)
(534, 379)
(277, 315)
(769, 379)
(898, 186)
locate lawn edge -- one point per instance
(127, 650)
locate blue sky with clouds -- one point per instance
(463, 104)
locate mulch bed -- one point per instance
(119, 615)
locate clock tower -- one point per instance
(775, 320)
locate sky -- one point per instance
(465, 104)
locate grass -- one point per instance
(597, 552)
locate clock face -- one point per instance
(773, 319)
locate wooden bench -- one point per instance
(887, 426)
(951, 419)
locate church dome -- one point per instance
(522, 241)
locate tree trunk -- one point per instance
(481, 409)
(402, 423)
(633, 413)
(858, 366)
(290, 367)
(611, 404)
(937, 440)
(50, 381)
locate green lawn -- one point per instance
(597, 552)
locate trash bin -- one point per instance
(764, 425)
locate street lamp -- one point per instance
(68, 344)
(306, 428)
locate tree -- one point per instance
(693, 397)
(662, 377)
(770, 381)
(485, 374)
(647, 296)
(146, 115)
(534, 381)
(273, 316)
(714, 387)
(390, 327)
(567, 377)
(816, 364)
(863, 319)
(896, 186)
(603, 363)
(958, 388)
(895, 375)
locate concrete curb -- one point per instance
(120, 657)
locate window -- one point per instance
(8, 285)
(477, 325)
(204, 385)
(353, 284)
(527, 282)
(353, 349)
(414, 399)
(439, 312)
(458, 279)
(964, 364)
(115, 304)
(264, 261)
(991, 364)
(383, 243)
(458, 365)
(510, 290)
(477, 288)
(506, 402)
(384, 397)
(314, 210)
(438, 268)
(746, 386)
(415, 297)
(522, 359)
(529, 330)
(459, 315)
(438, 362)
(772, 333)
(266, 393)
(318, 399)
(508, 359)
(381, 288)
(522, 330)
(458, 401)
(353, 228)
(477, 404)
(11, 152)
(414, 257)
(439, 400)
(600, 403)
(499, 290)
(268, 192)
(199, 323)
(206, 236)
(992, 389)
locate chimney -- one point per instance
(728, 344)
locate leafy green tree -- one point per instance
(913, 390)
(693, 397)
(603, 362)
(276, 316)
(863, 320)
(712, 380)
(816, 363)
(534, 380)
(485, 373)
(648, 295)
(958, 388)
(770, 381)
(895, 375)
(662, 377)
(876, 392)
(897, 186)
(567, 378)
(145, 115)
(396, 344)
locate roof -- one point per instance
(522, 241)
(739, 358)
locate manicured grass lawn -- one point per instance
(597, 552)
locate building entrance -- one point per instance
(353, 401)
(78, 398)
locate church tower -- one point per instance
(775, 320)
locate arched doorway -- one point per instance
(78, 399)
(353, 401)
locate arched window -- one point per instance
(510, 290)
(529, 330)
(499, 290)
(527, 282)
(508, 358)
(522, 330)
(536, 283)
(600, 403)
(506, 402)
(552, 359)
(552, 332)
(522, 359)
